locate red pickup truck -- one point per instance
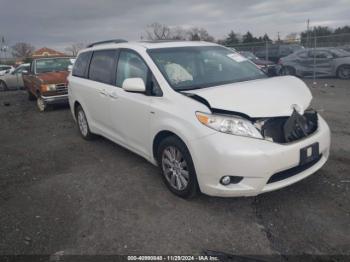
(46, 81)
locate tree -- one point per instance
(231, 39)
(22, 50)
(157, 31)
(266, 38)
(73, 49)
(249, 38)
(199, 34)
(178, 33)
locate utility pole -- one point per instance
(307, 32)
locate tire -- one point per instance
(83, 125)
(3, 86)
(177, 167)
(287, 71)
(41, 104)
(31, 97)
(343, 72)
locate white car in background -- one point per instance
(210, 119)
(13, 80)
(5, 69)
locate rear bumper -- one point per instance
(255, 160)
(59, 99)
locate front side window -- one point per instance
(130, 65)
(102, 66)
(188, 68)
(52, 65)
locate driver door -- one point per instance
(131, 113)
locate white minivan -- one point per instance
(209, 118)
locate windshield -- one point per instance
(187, 68)
(53, 64)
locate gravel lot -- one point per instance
(61, 193)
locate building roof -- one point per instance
(46, 52)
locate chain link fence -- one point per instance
(310, 56)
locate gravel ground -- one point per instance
(61, 193)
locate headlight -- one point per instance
(228, 124)
(51, 87)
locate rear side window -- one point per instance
(102, 66)
(81, 64)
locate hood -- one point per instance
(270, 97)
(53, 77)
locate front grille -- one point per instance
(292, 171)
(289, 129)
(61, 89)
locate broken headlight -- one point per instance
(229, 124)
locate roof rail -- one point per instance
(115, 41)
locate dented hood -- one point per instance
(271, 97)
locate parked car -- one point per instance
(5, 69)
(14, 79)
(46, 81)
(325, 62)
(276, 51)
(209, 118)
(269, 67)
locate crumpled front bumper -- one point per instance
(255, 160)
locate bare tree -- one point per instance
(22, 50)
(73, 49)
(199, 34)
(178, 33)
(157, 31)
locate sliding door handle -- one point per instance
(113, 95)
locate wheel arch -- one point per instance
(159, 137)
(339, 66)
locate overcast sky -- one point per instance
(61, 22)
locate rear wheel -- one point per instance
(3, 86)
(177, 167)
(343, 72)
(287, 71)
(83, 124)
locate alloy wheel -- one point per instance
(175, 168)
(344, 72)
(82, 122)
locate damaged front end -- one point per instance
(288, 129)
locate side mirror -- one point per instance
(70, 68)
(25, 72)
(134, 85)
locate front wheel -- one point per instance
(41, 104)
(177, 167)
(343, 72)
